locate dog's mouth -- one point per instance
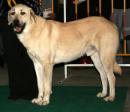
(19, 28)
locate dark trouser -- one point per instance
(22, 78)
(1, 61)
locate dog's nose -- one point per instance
(16, 22)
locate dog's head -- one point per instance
(20, 16)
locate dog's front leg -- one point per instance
(40, 75)
(48, 68)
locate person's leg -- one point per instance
(21, 73)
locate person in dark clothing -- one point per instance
(21, 73)
(106, 8)
(1, 53)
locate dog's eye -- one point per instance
(12, 13)
(22, 13)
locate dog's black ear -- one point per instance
(33, 15)
(9, 18)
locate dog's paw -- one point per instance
(40, 101)
(101, 95)
(37, 100)
(109, 98)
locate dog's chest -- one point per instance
(32, 49)
(33, 54)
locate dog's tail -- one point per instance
(117, 69)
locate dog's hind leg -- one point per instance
(99, 66)
(108, 63)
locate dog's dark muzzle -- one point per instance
(18, 27)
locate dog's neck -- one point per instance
(22, 35)
(25, 36)
(21, 38)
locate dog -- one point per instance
(50, 42)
